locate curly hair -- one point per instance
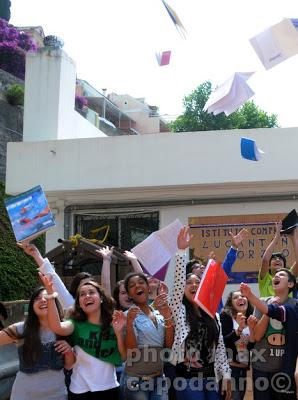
(229, 309)
(107, 308)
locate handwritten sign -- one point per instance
(212, 233)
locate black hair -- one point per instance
(193, 320)
(291, 277)
(76, 281)
(279, 255)
(32, 344)
(191, 263)
(131, 275)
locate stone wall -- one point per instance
(7, 79)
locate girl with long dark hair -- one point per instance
(42, 356)
(198, 350)
(237, 328)
(97, 335)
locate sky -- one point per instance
(113, 43)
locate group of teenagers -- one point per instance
(143, 343)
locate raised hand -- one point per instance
(130, 256)
(163, 288)
(133, 312)
(29, 249)
(184, 238)
(47, 281)
(161, 305)
(252, 322)
(105, 253)
(278, 228)
(241, 320)
(245, 290)
(119, 321)
(238, 239)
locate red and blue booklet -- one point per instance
(211, 288)
(29, 214)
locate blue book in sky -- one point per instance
(29, 214)
(249, 149)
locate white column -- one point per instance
(49, 95)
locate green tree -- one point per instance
(18, 275)
(195, 118)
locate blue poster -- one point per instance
(29, 214)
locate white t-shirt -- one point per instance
(90, 374)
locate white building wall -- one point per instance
(208, 162)
(49, 112)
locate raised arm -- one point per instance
(251, 323)
(62, 328)
(261, 328)
(268, 252)
(294, 240)
(254, 300)
(232, 252)
(136, 266)
(130, 337)
(180, 273)
(46, 268)
(119, 324)
(106, 254)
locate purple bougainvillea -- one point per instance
(13, 47)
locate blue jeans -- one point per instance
(197, 389)
(135, 388)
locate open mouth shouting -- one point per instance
(276, 281)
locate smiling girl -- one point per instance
(148, 331)
(41, 356)
(97, 336)
(238, 332)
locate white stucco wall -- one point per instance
(49, 112)
(204, 163)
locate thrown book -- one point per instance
(29, 214)
(249, 149)
(176, 20)
(230, 95)
(163, 58)
(211, 288)
(158, 248)
(277, 43)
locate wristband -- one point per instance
(53, 295)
